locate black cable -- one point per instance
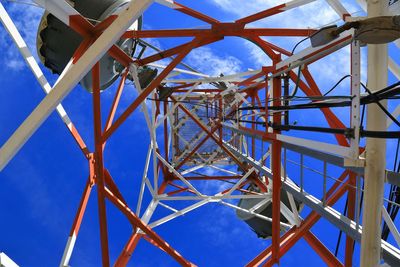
(299, 72)
(286, 95)
(373, 98)
(304, 98)
(384, 90)
(347, 131)
(381, 106)
(380, 134)
(337, 84)
(296, 88)
(362, 117)
(303, 40)
(397, 155)
(341, 232)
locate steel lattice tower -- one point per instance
(234, 124)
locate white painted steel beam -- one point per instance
(296, 3)
(389, 253)
(214, 198)
(268, 219)
(167, 3)
(313, 53)
(395, 113)
(149, 212)
(167, 206)
(59, 8)
(238, 77)
(223, 170)
(391, 225)
(68, 251)
(341, 151)
(149, 121)
(144, 179)
(374, 177)
(178, 213)
(172, 169)
(71, 78)
(30, 60)
(179, 70)
(195, 168)
(238, 183)
(188, 145)
(316, 145)
(338, 7)
(171, 110)
(5, 261)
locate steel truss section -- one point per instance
(204, 127)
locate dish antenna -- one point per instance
(57, 43)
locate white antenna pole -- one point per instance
(375, 149)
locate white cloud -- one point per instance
(312, 15)
(207, 61)
(309, 15)
(14, 64)
(26, 19)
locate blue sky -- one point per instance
(41, 187)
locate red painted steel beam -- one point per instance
(331, 118)
(260, 258)
(146, 92)
(197, 42)
(265, 47)
(292, 236)
(239, 188)
(225, 29)
(103, 25)
(220, 177)
(99, 166)
(81, 25)
(126, 253)
(320, 53)
(147, 230)
(311, 219)
(109, 182)
(257, 181)
(195, 14)
(325, 254)
(81, 209)
(207, 137)
(177, 191)
(181, 187)
(214, 128)
(278, 49)
(115, 104)
(162, 187)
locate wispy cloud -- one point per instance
(209, 62)
(26, 19)
(313, 15)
